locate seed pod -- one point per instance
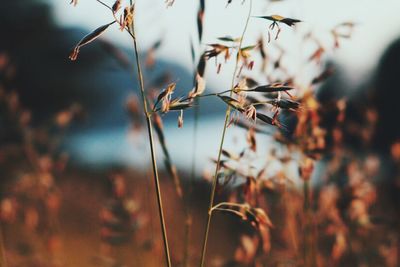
(165, 97)
(116, 6)
(265, 118)
(127, 18)
(270, 88)
(233, 103)
(285, 104)
(176, 104)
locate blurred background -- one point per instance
(76, 189)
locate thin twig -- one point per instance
(227, 115)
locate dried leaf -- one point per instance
(88, 39)
(199, 88)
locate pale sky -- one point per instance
(378, 24)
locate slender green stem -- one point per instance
(227, 115)
(153, 153)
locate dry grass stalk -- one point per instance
(127, 23)
(214, 182)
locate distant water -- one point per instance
(121, 146)
(101, 149)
